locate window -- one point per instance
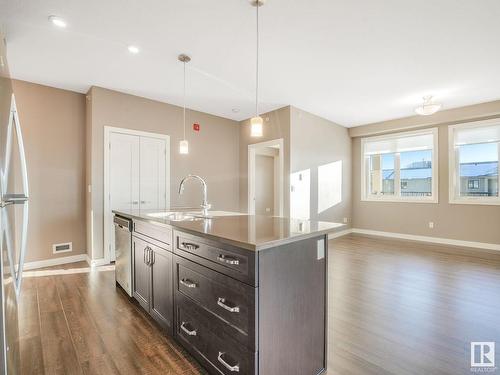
(400, 167)
(473, 184)
(474, 162)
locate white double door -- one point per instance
(138, 173)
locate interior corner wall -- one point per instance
(465, 222)
(317, 142)
(276, 126)
(53, 128)
(213, 152)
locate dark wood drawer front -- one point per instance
(231, 300)
(156, 232)
(195, 328)
(234, 262)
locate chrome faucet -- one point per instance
(204, 205)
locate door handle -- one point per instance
(187, 331)
(144, 255)
(222, 303)
(235, 368)
(153, 257)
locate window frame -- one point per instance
(434, 198)
(454, 161)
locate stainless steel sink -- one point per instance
(180, 216)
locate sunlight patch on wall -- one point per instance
(329, 185)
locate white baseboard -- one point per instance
(95, 262)
(437, 240)
(338, 234)
(54, 261)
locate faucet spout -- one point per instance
(204, 205)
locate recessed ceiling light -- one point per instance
(58, 21)
(133, 49)
(235, 110)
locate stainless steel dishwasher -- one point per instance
(123, 253)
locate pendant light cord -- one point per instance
(184, 107)
(257, 65)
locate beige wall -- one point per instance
(53, 126)
(276, 126)
(478, 223)
(213, 152)
(264, 184)
(316, 142)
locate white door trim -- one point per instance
(251, 174)
(107, 214)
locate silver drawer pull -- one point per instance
(235, 368)
(222, 303)
(189, 245)
(187, 331)
(228, 260)
(188, 283)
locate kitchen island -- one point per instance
(244, 294)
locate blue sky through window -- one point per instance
(479, 152)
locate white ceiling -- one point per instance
(350, 61)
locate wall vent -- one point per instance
(62, 247)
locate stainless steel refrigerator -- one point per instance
(13, 218)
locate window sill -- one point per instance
(395, 200)
(476, 201)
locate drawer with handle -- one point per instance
(203, 335)
(229, 299)
(156, 232)
(232, 261)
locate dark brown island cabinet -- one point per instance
(243, 294)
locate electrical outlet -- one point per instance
(346, 220)
(268, 209)
(431, 224)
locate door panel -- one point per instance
(152, 173)
(124, 171)
(123, 177)
(161, 288)
(142, 275)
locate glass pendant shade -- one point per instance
(256, 126)
(183, 147)
(428, 107)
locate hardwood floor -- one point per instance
(395, 307)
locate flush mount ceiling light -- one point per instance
(256, 123)
(428, 107)
(58, 21)
(133, 49)
(184, 145)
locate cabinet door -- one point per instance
(162, 288)
(142, 274)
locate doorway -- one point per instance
(266, 178)
(136, 176)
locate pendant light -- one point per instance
(428, 107)
(184, 145)
(256, 123)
